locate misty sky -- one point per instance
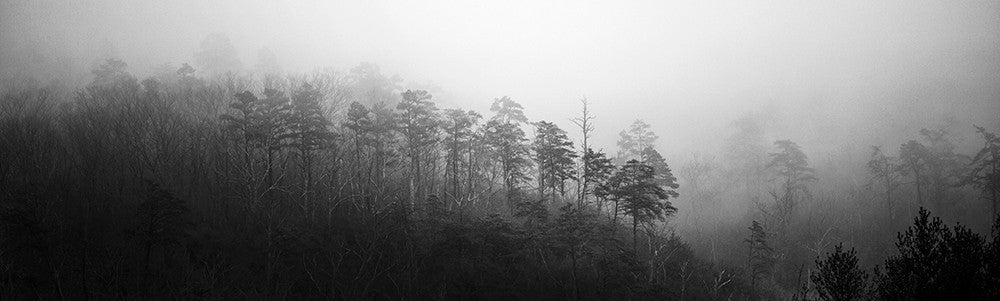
(829, 74)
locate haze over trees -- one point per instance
(216, 176)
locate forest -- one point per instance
(194, 185)
(504, 150)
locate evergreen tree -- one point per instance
(913, 156)
(838, 278)
(308, 130)
(945, 168)
(217, 55)
(746, 150)
(597, 168)
(504, 135)
(985, 172)
(384, 139)
(419, 124)
(508, 111)
(791, 167)
(632, 141)
(273, 123)
(359, 121)
(885, 172)
(934, 263)
(554, 156)
(459, 133)
(760, 259)
(662, 173)
(634, 188)
(113, 73)
(261, 123)
(992, 264)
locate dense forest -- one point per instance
(208, 184)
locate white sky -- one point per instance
(831, 73)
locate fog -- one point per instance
(828, 73)
(835, 77)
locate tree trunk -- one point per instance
(414, 169)
(576, 282)
(635, 226)
(994, 185)
(916, 178)
(270, 178)
(471, 164)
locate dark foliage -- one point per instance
(935, 263)
(838, 276)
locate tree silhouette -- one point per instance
(597, 169)
(914, 155)
(634, 187)
(746, 149)
(635, 139)
(945, 168)
(504, 135)
(791, 166)
(113, 73)
(419, 124)
(554, 156)
(217, 55)
(508, 111)
(760, 258)
(272, 125)
(459, 133)
(662, 173)
(985, 172)
(261, 123)
(885, 172)
(837, 277)
(934, 263)
(163, 221)
(308, 130)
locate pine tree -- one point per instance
(113, 73)
(634, 188)
(419, 124)
(838, 278)
(662, 173)
(635, 139)
(384, 137)
(359, 121)
(597, 168)
(508, 111)
(985, 172)
(760, 259)
(459, 133)
(746, 150)
(913, 156)
(308, 130)
(504, 135)
(261, 123)
(885, 172)
(554, 156)
(272, 115)
(945, 168)
(791, 166)
(935, 263)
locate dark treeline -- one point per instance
(186, 185)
